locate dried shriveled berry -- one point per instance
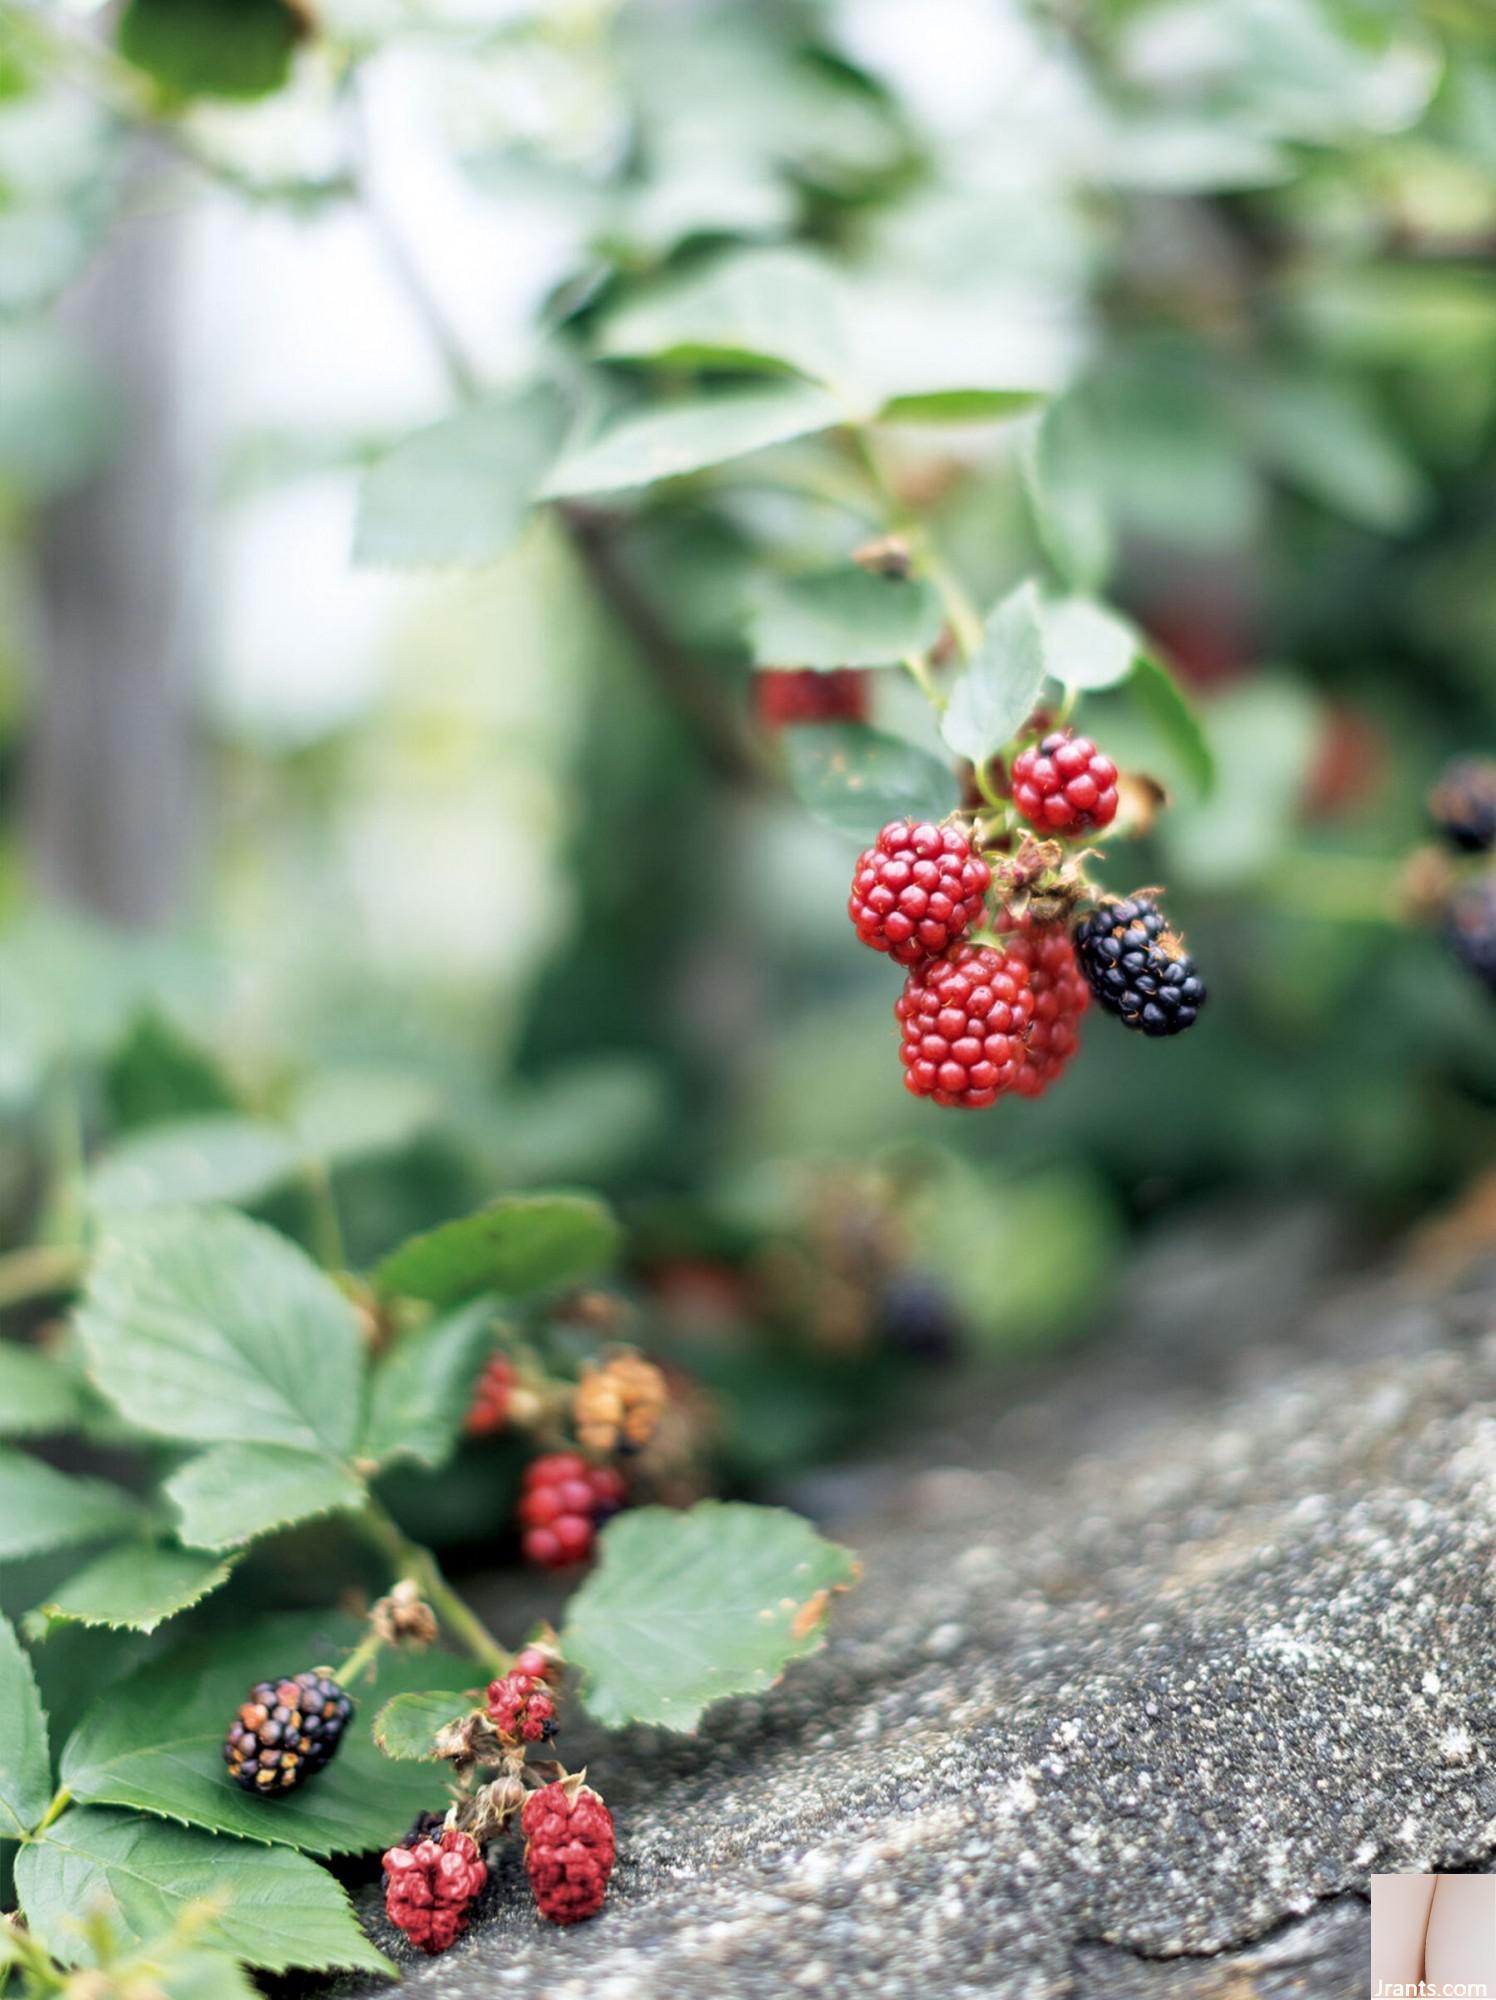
(1138, 968)
(569, 1850)
(916, 890)
(522, 1709)
(429, 1889)
(964, 1018)
(285, 1732)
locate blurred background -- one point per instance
(471, 864)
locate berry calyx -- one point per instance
(1138, 968)
(569, 1850)
(562, 1502)
(802, 694)
(492, 1399)
(618, 1402)
(1061, 996)
(916, 890)
(430, 1888)
(1470, 926)
(1064, 784)
(285, 1732)
(965, 1017)
(1462, 805)
(522, 1709)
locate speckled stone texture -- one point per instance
(1149, 1671)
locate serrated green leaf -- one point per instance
(283, 1910)
(459, 491)
(42, 1508)
(210, 48)
(1003, 679)
(406, 1727)
(685, 1608)
(1088, 646)
(856, 779)
(521, 1243)
(201, 1324)
(422, 1386)
(1162, 701)
(229, 1495)
(843, 618)
(25, 1761)
(676, 438)
(218, 1157)
(134, 1587)
(39, 1395)
(756, 308)
(154, 1743)
(1065, 498)
(958, 406)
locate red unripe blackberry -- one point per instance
(541, 1662)
(1138, 969)
(964, 1018)
(917, 889)
(522, 1709)
(1470, 926)
(430, 1888)
(1061, 996)
(569, 1850)
(1065, 785)
(1462, 804)
(801, 694)
(562, 1502)
(489, 1409)
(285, 1732)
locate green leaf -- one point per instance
(210, 48)
(1329, 439)
(39, 1395)
(157, 1073)
(41, 1508)
(136, 1586)
(25, 1761)
(521, 1243)
(1161, 700)
(406, 1727)
(1065, 497)
(768, 309)
(206, 1975)
(422, 1386)
(201, 1324)
(1086, 645)
(958, 406)
(227, 1496)
(283, 1910)
(459, 491)
(843, 618)
(669, 440)
(346, 1115)
(1003, 679)
(684, 1608)
(856, 779)
(154, 1742)
(215, 1158)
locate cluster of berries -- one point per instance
(1462, 806)
(435, 1875)
(615, 1409)
(983, 1016)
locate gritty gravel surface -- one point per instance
(1148, 1673)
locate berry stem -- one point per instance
(364, 1654)
(327, 1229)
(409, 1559)
(965, 619)
(61, 1800)
(918, 669)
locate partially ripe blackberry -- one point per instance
(964, 1017)
(1470, 926)
(916, 890)
(1138, 968)
(285, 1732)
(1462, 804)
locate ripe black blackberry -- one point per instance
(1138, 969)
(1470, 926)
(286, 1731)
(1462, 804)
